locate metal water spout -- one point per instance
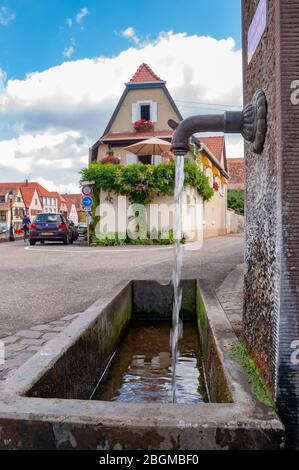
(251, 123)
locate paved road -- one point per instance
(40, 284)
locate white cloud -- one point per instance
(58, 113)
(2, 75)
(235, 147)
(52, 156)
(81, 14)
(69, 51)
(69, 22)
(129, 33)
(6, 16)
(2, 79)
(71, 188)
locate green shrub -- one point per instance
(113, 239)
(235, 200)
(142, 183)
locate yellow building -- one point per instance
(146, 102)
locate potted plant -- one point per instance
(111, 159)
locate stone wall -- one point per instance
(271, 314)
(235, 222)
(262, 255)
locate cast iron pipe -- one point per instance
(251, 123)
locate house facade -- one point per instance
(77, 198)
(37, 199)
(71, 208)
(17, 204)
(147, 99)
(32, 201)
(62, 204)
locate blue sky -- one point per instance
(63, 65)
(36, 38)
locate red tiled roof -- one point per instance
(39, 188)
(27, 194)
(76, 198)
(136, 135)
(144, 74)
(70, 200)
(236, 173)
(215, 145)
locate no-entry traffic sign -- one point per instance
(87, 189)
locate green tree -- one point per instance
(236, 200)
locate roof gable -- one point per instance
(144, 77)
(28, 194)
(215, 144)
(144, 74)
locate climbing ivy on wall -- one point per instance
(142, 183)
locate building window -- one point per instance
(145, 112)
(2, 216)
(221, 190)
(19, 199)
(2, 199)
(36, 202)
(146, 159)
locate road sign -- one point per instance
(87, 201)
(86, 209)
(87, 190)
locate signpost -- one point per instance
(86, 201)
(87, 190)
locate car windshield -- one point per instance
(48, 218)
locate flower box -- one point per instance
(142, 125)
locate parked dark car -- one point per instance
(73, 229)
(51, 227)
(82, 228)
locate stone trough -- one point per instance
(45, 404)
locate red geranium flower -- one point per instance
(216, 186)
(143, 124)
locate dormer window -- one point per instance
(145, 112)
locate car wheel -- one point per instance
(32, 242)
(71, 241)
(42, 242)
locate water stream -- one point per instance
(177, 326)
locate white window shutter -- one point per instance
(154, 111)
(157, 159)
(131, 158)
(134, 112)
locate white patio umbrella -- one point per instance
(151, 146)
